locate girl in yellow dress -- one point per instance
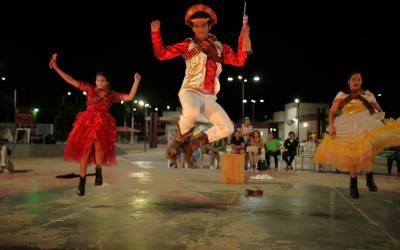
(358, 134)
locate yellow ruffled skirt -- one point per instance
(360, 137)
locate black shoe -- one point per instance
(99, 177)
(81, 187)
(353, 188)
(254, 192)
(370, 182)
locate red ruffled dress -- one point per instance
(94, 124)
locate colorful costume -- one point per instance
(94, 124)
(361, 133)
(200, 85)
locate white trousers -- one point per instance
(196, 104)
(3, 156)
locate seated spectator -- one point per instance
(237, 143)
(214, 149)
(255, 148)
(290, 151)
(197, 159)
(247, 129)
(272, 148)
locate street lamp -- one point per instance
(65, 96)
(243, 81)
(126, 109)
(260, 101)
(35, 112)
(146, 106)
(253, 102)
(132, 124)
(297, 101)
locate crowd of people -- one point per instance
(248, 141)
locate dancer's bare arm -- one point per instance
(332, 112)
(65, 76)
(133, 89)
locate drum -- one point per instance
(232, 168)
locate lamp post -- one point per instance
(142, 104)
(243, 81)
(65, 96)
(146, 125)
(244, 101)
(297, 101)
(125, 109)
(253, 102)
(133, 109)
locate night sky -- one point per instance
(299, 51)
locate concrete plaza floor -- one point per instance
(145, 205)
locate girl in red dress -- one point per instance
(92, 139)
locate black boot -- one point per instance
(81, 187)
(99, 177)
(353, 188)
(389, 165)
(370, 182)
